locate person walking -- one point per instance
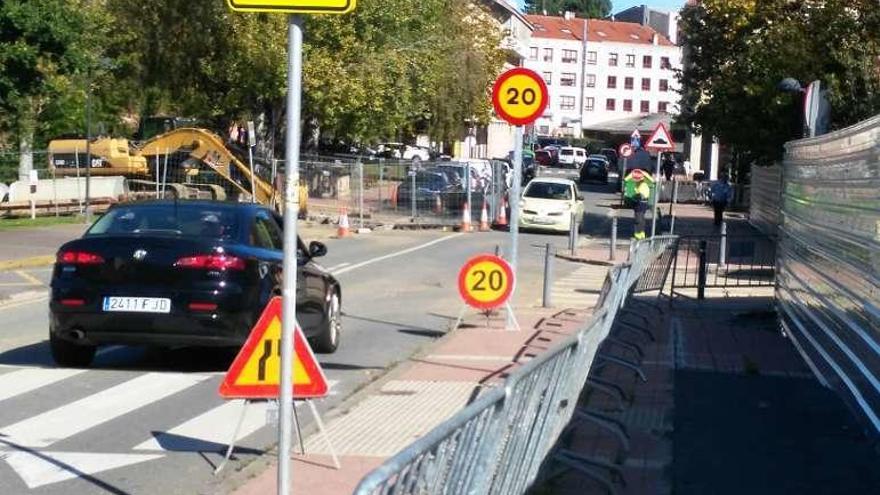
(637, 194)
(668, 167)
(720, 194)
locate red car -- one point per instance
(546, 158)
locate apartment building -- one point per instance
(601, 70)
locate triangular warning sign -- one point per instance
(660, 139)
(255, 372)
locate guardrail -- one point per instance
(497, 443)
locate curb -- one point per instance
(34, 261)
(586, 261)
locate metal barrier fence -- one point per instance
(497, 443)
(654, 277)
(766, 198)
(829, 261)
(723, 261)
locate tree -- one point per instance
(594, 9)
(738, 50)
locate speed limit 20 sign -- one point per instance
(485, 281)
(520, 96)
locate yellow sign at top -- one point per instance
(293, 6)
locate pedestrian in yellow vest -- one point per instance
(637, 192)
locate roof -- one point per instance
(506, 6)
(598, 30)
(644, 123)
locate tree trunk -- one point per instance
(25, 146)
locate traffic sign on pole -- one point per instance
(293, 6)
(661, 139)
(520, 96)
(255, 372)
(625, 150)
(635, 139)
(485, 281)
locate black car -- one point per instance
(594, 169)
(182, 273)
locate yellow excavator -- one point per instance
(183, 163)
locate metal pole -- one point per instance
(572, 234)
(88, 209)
(672, 206)
(613, 251)
(548, 276)
(79, 198)
(722, 250)
(253, 181)
(656, 196)
(412, 194)
(701, 274)
(470, 206)
(291, 207)
(158, 176)
(360, 166)
(381, 170)
(165, 175)
(514, 211)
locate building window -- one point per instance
(548, 54)
(591, 58)
(630, 60)
(627, 105)
(548, 77)
(664, 85)
(645, 107)
(612, 59)
(591, 81)
(612, 82)
(589, 103)
(609, 104)
(569, 56)
(627, 83)
(663, 107)
(533, 53)
(664, 63)
(646, 84)
(544, 130)
(567, 103)
(647, 61)
(567, 79)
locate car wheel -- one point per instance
(69, 354)
(328, 341)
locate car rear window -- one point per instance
(566, 152)
(192, 221)
(548, 190)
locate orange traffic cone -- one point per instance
(501, 218)
(342, 229)
(466, 218)
(484, 218)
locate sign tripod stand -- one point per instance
(486, 282)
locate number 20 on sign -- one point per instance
(485, 282)
(520, 96)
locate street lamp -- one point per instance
(102, 63)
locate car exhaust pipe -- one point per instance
(77, 334)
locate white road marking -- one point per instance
(43, 468)
(395, 254)
(30, 278)
(337, 267)
(52, 426)
(25, 380)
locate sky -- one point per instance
(618, 5)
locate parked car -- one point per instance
(611, 154)
(594, 169)
(547, 204)
(173, 273)
(544, 158)
(402, 151)
(572, 157)
(429, 187)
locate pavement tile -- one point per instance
(315, 471)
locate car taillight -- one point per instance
(79, 258)
(72, 302)
(202, 306)
(211, 262)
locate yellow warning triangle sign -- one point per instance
(255, 372)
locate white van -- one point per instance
(572, 157)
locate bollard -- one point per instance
(381, 167)
(701, 275)
(360, 166)
(573, 234)
(613, 251)
(412, 194)
(548, 275)
(722, 249)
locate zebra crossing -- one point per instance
(577, 286)
(58, 425)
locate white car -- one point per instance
(547, 204)
(404, 152)
(572, 157)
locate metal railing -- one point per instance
(723, 261)
(497, 443)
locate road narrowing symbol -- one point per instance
(485, 282)
(255, 372)
(520, 96)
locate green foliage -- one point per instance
(594, 9)
(739, 50)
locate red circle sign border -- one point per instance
(462, 281)
(623, 147)
(496, 96)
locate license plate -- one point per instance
(137, 304)
(544, 221)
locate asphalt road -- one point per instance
(144, 421)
